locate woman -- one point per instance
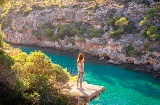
(80, 66)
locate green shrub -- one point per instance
(55, 37)
(153, 12)
(63, 30)
(71, 40)
(122, 22)
(90, 13)
(41, 79)
(81, 39)
(93, 33)
(73, 31)
(35, 32)
(130, 51)
(153, 33)
(110, 22)
(143, 22)
(117, 33)
(49, 32)
(29, 9)
(5, 59)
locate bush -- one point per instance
(41, 79)
(35, 32)
(49, 32)
(55, 37)
(93, 33)
(153, 12)
(71, 40)
(143, 22)
(63, 30)
(130, 51)
(116, 33)
(29, 9)
(122, 22)
(110, 22)
(5, 59)
(90, 13)
(153, 33)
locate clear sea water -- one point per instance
(123, 86)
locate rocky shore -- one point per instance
(106, 49)
(89, 57)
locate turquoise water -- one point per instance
(123, 86)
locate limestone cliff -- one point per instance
(21, 26)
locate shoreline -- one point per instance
(148, 69)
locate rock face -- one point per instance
(85, 95)
(21, 27)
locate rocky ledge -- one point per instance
(82, 96)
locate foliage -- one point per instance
(41, 79)
(151, 31)
(71, 40)
(35, 32)
(153, 12)
(130, 51)
(122, 22)
(5, 59)
(71, 30)
(55, 37)
(116, 33)
(9, 95)
(28, 9)
(119, 25)
(1, 37)
(143, 22)
(93, 33)
(63, 30)
(49, 32)
(111, 22)
(90, 13)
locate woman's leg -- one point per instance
(78, 78)
(81, 78)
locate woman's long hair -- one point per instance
(80, 57)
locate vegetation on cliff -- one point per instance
(151, 27)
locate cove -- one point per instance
(123, 86)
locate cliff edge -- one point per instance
(82, 96)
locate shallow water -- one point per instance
(123, 86)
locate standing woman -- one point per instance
(80, 66)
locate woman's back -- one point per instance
(80, 66)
